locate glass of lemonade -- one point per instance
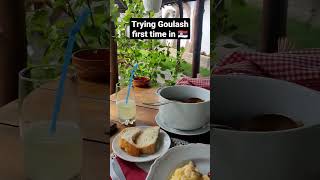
(49, 156)
(126, 108)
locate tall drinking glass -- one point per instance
(49, 156)
(126, 106)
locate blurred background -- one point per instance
(240, 24)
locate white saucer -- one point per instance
(163, 125)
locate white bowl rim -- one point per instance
(265, 132)
(188, 86)
(152, 169)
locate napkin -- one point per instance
(300, 67)
(199, 82)
(130, 170)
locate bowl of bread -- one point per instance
(141, 143)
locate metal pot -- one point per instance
(263, 155)
(184, 116)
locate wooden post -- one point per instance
(197, 38)
(274, 24)
(13, 55)
(181, 16)
(114, 61)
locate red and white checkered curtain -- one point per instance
(301, 67)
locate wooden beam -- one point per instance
(114, 61)
(179, 2)
(274, 24)
(197, 38)
(13, 55)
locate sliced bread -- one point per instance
(127, 140)
(147, 140)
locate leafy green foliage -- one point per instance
(153, 56)
(221, 24)
(48, 28)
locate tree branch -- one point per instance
(75, 20)
(92, 19)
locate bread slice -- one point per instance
(127, 140)
(147, 140)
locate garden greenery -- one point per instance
(47, 29)
(153, 56)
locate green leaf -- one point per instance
(60, 3)
(77, 3)
(162, 76)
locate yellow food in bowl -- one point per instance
(188, 172)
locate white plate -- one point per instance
(163, 144)
(163, 125)
(176, 157)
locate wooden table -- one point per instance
(146, 114)
(94, 108)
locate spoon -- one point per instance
(159, 103)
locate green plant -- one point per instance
(221, 24)
(153, 57)
(47, 29)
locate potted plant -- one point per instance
(153, 57)
(47, 30)
(142, 82)
(92, 64)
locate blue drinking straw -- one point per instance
(67, 57)
(130, 81)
